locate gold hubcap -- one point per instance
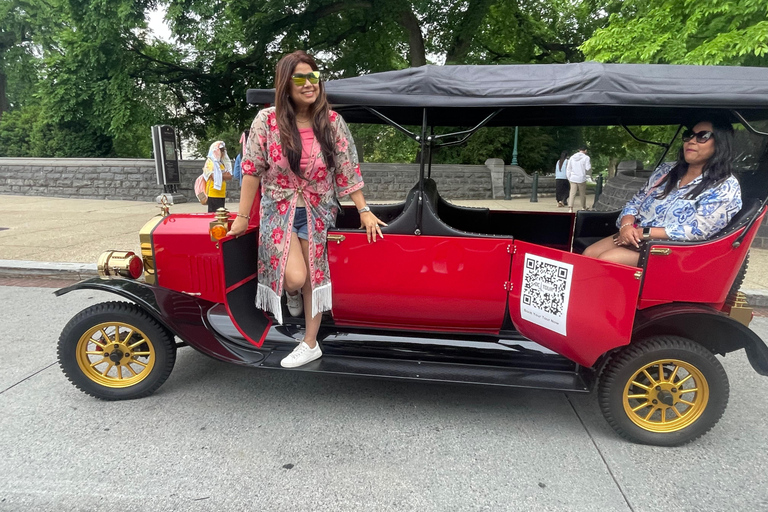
(115, 354)
(666, 396)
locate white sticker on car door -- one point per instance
(545, 292)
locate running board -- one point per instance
(430, 371)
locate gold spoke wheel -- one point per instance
(666, 395)
(116, 351)
(663, 390)
(115, 354)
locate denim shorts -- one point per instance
(300, 223)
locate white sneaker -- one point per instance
(294, 303)
(301, 355)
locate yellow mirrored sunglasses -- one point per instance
(301, 78)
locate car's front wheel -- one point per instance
(116, 351)
(665, 390)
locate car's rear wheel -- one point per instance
(116, 351)
(665, 390)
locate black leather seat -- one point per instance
(431, 222)
(591, 227)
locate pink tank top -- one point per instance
(307, 138)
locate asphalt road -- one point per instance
(220, 437)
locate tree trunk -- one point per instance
(416, 52)
(465, 31)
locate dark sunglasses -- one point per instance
(301, 78)
(701, 137)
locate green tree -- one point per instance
(18, 65)
(731, 32)
(91, 68)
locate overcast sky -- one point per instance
(156, 24)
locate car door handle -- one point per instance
(336, 238)
(661, 251)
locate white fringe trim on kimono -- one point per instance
(268, 300)
(321, 299)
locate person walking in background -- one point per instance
(217, 171)
(576, 172)
(561, 180)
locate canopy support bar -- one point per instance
(667, 146)
(746, 124)
(638, 139)
(431, 138)
(467, 133)
(390, 122)
(423, 140)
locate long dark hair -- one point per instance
(563, 156)
(286, 112)
(716, 169)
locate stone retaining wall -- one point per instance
(134, 179)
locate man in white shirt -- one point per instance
(578, 166)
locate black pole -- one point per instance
(535, 188)
(422, 164)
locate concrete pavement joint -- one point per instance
(599, 452)
(27, 377)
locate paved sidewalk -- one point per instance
(53, 236)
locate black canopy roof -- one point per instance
(587, 93)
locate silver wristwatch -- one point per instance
(364, 209)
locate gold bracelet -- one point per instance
(625, 225)
(246, 217)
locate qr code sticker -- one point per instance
(545, 292)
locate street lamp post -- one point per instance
(508, 174)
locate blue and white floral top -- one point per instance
(684, 219)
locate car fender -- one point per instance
(707, 326)
(181, 314)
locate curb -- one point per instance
(18, 268)
(756, 298)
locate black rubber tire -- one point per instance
(623, 366)
(127, 313)
(740, 276)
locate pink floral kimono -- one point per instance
(281, 187)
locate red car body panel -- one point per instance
(600, 309)
(717, 260)
(443, 284)
(186, 260)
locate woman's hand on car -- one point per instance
(238, 226)
(371, 223)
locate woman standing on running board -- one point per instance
(302, 154)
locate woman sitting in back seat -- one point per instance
(691, 199)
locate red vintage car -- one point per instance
(466, 295)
